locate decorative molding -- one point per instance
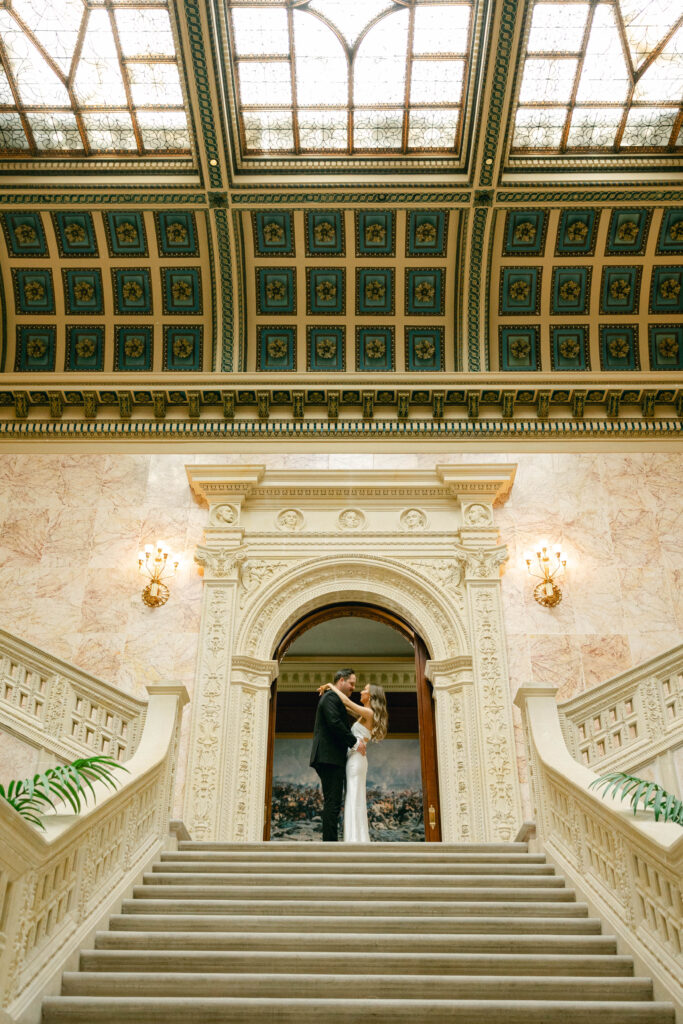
(225, 269)
(192, 10)
(476, 259)
(506, 31)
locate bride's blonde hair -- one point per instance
(380, 715)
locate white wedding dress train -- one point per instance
(355, 805)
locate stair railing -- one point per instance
(628, 868)
(631, 722)
(61, 711)
(58, 887)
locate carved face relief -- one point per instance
(478, 515)
(413, 519)
(224, 515)
(290, 520)
(351, 519)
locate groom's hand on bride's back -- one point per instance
(361, 748)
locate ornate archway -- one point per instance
(434, 564)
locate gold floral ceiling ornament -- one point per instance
(277, 348)
(570, 291)
(324, 232)
(668, 347)
(546, 568)
(620, 289)
(375, 290)
(25, 234)
(131, 290)
(134, 347)
(519, 291)
(425, 233)
(425, 349)
(273, 232)
(375, 348)
(325, 348)
(183, 346)
(424, 292)
(36, 348)
(156, 562)
(628, 231)
(670, 289)
(75, 233)
(326, 291)
(375, 234)
(126, 233)
(33, 291)
(85, 348)
(181, 291)
(619, 347)
(176, 233)
(570, 348)
(520, 348)
(676, 231)
(275, 290)
(578, 231)
(525, 232)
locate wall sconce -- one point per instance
(154, 563)
(546, 568)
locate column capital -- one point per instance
(450, 673)
(220, 561)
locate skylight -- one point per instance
(343, 76)
(602, 75)
(88, 76)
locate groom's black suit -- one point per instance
(331, 740)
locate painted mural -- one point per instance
(394, 792)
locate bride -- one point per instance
(371, 725)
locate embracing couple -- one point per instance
(339, 752)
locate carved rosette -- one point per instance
(495, 713)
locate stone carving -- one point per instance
(478, 515)
(219, 563)
(290, 520)
(351, 519)
(224, 515)
(498, 753)
(485, 564)
(253, 574)
(413, 519)
(55, 711)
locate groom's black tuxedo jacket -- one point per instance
(331, 733)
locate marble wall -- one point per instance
(71, 527)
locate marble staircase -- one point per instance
(294, 932)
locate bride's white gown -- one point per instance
(355, 807)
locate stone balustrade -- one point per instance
(628, 868)
(62, 712)
(632, 721)
(57, 887)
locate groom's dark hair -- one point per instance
(343, 673)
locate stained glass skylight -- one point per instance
(88, 76)
(602, 75)
(349, 76)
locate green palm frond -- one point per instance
(641, 792)
(70, 783)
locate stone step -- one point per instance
(332, 941)
(448, 893)
(338, 854)
(322, 867)
(153, 1009)
(369, 850)
(354, 908)
(223, 962)
(348, 925)
(328, 878)
(335, 986)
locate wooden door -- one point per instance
(425, 707)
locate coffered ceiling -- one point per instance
(259, 217)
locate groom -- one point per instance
(331, 740)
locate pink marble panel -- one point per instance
(603, 657)
(556, 661)
(648, 602)
(18, 760)
(634, 536)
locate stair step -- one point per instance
(382, 986)
(327, 879)
(448, 893)
(348, 925)
(379, 942)
(365, 850)
(428, 963)
(338, 855)
(310, 869)
(353, 908)
(151, 1010)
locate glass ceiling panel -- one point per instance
(87, 76)
(601, 75)
(350, 75)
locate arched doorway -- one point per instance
(424, 704)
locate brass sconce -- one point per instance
(546, 568)
(154, 563)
